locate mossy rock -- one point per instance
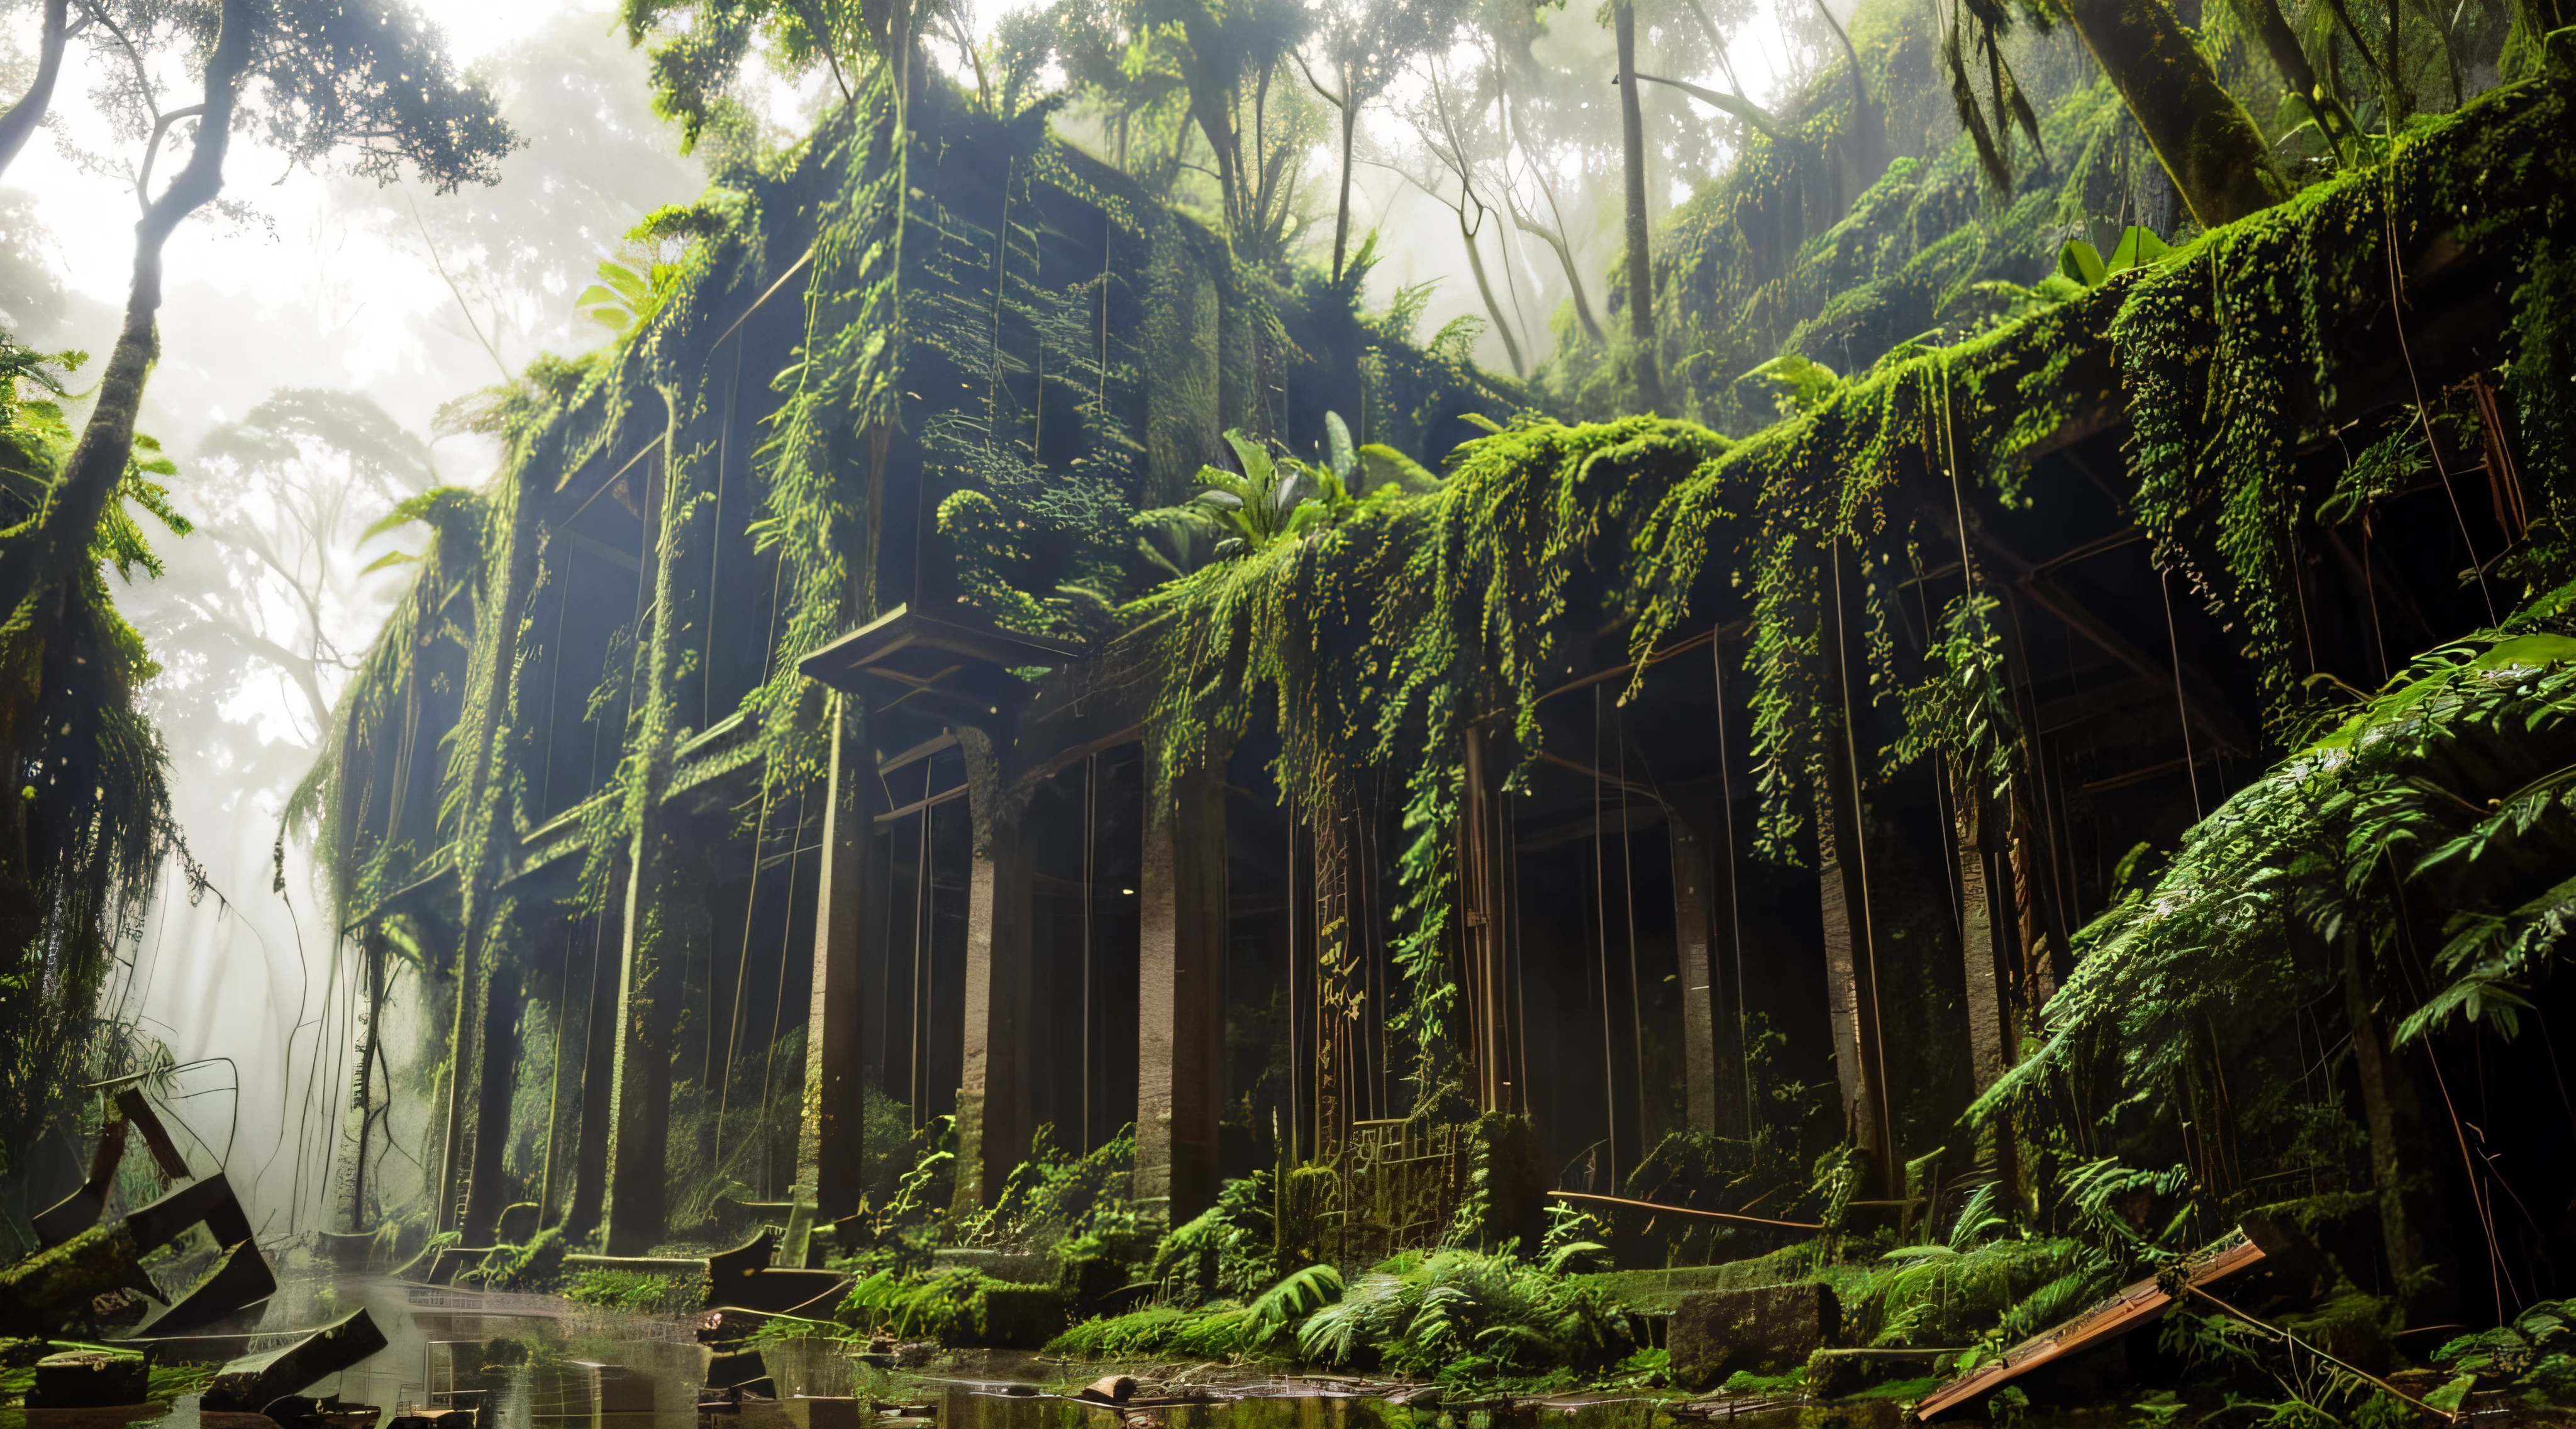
(1766, 1331)
(89, 1379)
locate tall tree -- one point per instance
(1231, 56)
(1644, 366)
(275, 584)
(1444, 118)
(1365, 44)
(2218, 159)
(364, 78)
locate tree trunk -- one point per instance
(1573, 274)
(2281, 42)
(1485, 289)
(21, 118)
(2396, 1121)
(1641, 278)
(1342, 210)
(55, 550)
(2208, 144)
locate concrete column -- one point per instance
(465, 1069)
(1848, 990)
(636, 1194)
(993, 1090)
(598, 1059)
(355, 1171)
(497, 1084)
(663, 911)
(1980, 957)
(1180, 1003)
(831, 1136)
(1712, 1040)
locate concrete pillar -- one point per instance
(1180, 1003)
(1712, 1026)
(1980, 957)
(1849, 994)
(465, 1067)
(993, 1088)
(598, 1059)
(635, 1202)
(496, 1086)
(356, 1172)
(831, 1135)
(664, 915)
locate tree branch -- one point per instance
(21, 119)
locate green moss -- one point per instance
(637, 1291)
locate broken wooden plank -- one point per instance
(80, 1210)
(240, 1279)
(252, 1382)
(2139, 1304)
(210, 1200)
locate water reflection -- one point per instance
(459, 1359)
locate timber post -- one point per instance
(993, 1082)
(1481, 854)
(1180, 978)
(1851, 992)
(1336, 993)
(831, 1132)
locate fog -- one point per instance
(314, 330)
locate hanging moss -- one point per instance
(1377, 641)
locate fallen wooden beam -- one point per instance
(2140, 1304)
(251, 1383)
(240, 1279)
(1686, 1211)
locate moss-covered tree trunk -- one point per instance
(48, 552)
(2210, 146)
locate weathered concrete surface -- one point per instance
(1771, 1330)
